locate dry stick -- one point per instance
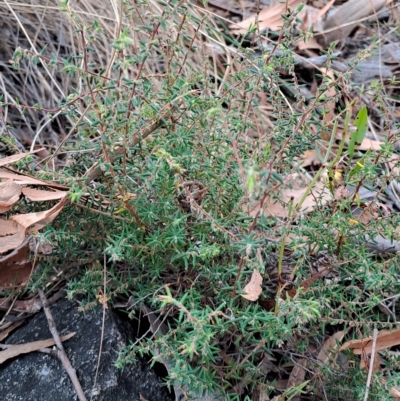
(102, 322)
(60, 349)
(371, 364)
(239, 272)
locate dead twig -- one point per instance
(105, 306)
(371, 364)
(60, 349)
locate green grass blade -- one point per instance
(357, 136)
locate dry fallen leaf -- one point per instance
(4, 334)
(384, 340)
(12, 350)
(312, 19)
(13, 231)
(270, 17)
(12, 235)
(253, 289)
(16, 267)
(320, 195)
(38, 195)
(23, 179)
(18, 157)
(29, 306)
(39, 219)
(9, 194)
(327, 354)
(349, 11)
(297, 376)
(366, 143)
(309, 158)
(366, 214)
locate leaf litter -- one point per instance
(15, 264)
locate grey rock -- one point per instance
(41, 377)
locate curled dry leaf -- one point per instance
(38, 195)
(327, 355)
(12, 235)
(384, 340)
(12, 232)
(18, 157)
(16, 267)
(39, 219)
(23, 179)
(9, 194)
(253, 289)
(270, 17)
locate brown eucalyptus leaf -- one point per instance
(270, 17)
(327, 354)
(39, 219)
(18, 157)
(23, 179)
(9, 194)
(12, 235)
(253, 289)
(319, 195)
(39, 195)
(384, 340)
(13, 350)
(297, 376)
(16, 267)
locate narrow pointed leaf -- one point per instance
(357, 136)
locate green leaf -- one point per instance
(357, 136)
(360, 164)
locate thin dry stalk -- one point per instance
(60, 349)
(371, 364)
